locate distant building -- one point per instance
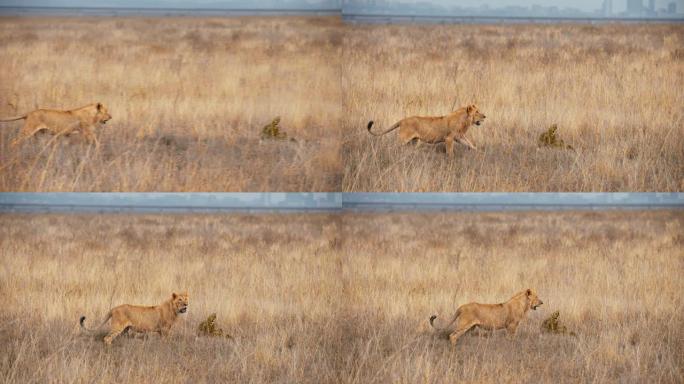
(635, 7)
(672, 8)
(607, 8)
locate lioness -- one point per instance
(489, 316)
(437, 129)
(141, 319)
(63, 122)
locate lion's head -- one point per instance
(180, 302)
(533, 300)
(474, 114)
(101, 114)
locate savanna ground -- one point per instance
(271, 280)
(615, 92)
(322, 298)
(189, 97)
(615, 278)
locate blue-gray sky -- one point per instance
(534, 6)
(189, 4)
(584, 5)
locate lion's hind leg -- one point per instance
(408, 136)
(416, 142)
(117, 328)
(30, 128)
(461, 328)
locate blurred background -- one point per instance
(172, 7)
(506, 9)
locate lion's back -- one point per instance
(53, 118)
(485, 314)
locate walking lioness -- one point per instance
(489, 316)
(141, 319)
(57, 122)
(437, 129)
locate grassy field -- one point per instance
(615, 278)
(189, 97)
(274, 290)
(614, 91)
(321, 298)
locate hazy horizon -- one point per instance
(166, 4)
(593, 8)
(499, 8)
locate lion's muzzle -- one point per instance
(183, 309)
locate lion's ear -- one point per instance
(470, 108)
(529, 291)
(99, 106)
(173, 295)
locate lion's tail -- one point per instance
(390, 129)
(13, 119)
(446, 328)
(83, 327)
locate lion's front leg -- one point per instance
(164, 331)
(464, 140)
(92, 138)
(511, 329)
(90, 135)
(449, 142)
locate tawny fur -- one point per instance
(143, 319)
(63, 123)
(437, 129)
(489, 316)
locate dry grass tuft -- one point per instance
(273, 131)
(551, 139)
(614, 89)
(209, 328)
(553, 325)
(188, 97)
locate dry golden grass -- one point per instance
(271, 280)
(188, 96)
(614, 277)
(323, 298)
(614, 90)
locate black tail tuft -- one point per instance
(81, 320)
(432, 318)
(370, 124)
